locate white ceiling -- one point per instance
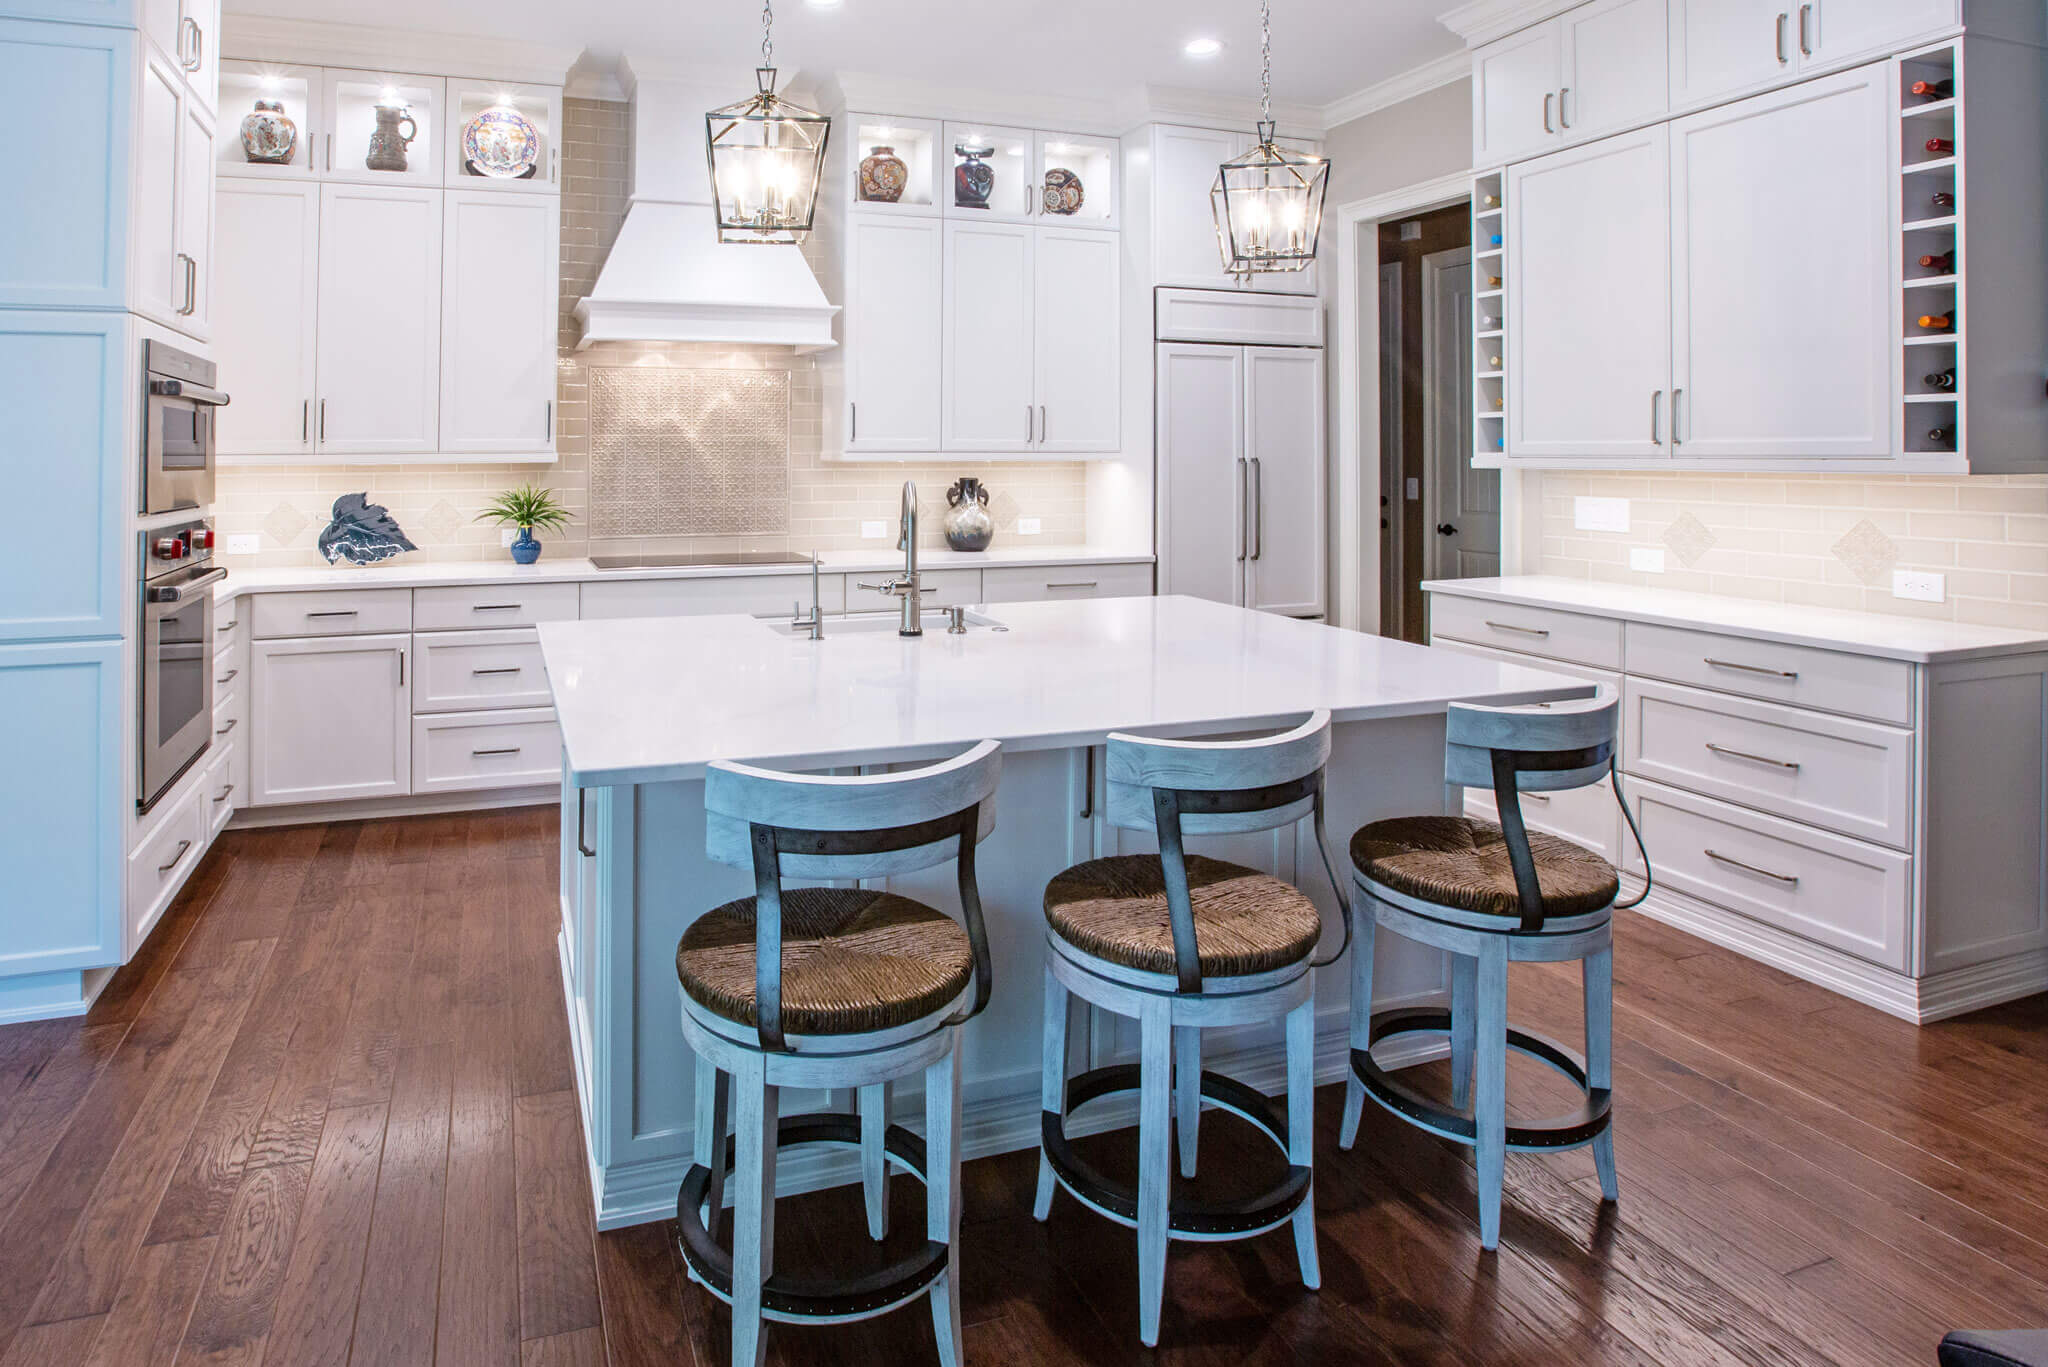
(1322, 49)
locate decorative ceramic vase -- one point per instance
(525, 549)
(974, 180)
(883, 176)
(501, 143)
(269, 137)
(1062, 191)
(968, 525)
(387, 142)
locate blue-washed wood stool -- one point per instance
(1181, 943)
(1491, 895)
(834, 988)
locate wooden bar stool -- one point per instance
(831, 987)
(1181, 943)
(1491, 895)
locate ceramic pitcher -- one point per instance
(387, 142)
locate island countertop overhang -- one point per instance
(650, 700)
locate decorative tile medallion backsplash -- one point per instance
(681, 452)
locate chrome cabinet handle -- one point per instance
(1244, 506)
(1723, 750)
(330, 151)
(1752, 669)
(185, 307)
(189, 26)
(401, 669)
(508, 669)
(501, 750)
(1788, 879)
(1041, 422)
(1074, 584)
(1088, 785)
(232, 723)
(1782, 58)
(305, 421)
(1656, 417)
(1676, 395)
(183, 846)
(1548, 96)
(1562, 121)
(549, 431)
(1805, 42)
(1532, 797)
(1258, 510)
(853, 418)
(222, 795)
(334, 612)
(323, 405)
(228, 677)
(225, 627)
(582, 847)
(496, 607)
(1510, 626)
(1028, 428)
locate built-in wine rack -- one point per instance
(1932, 202)
(1489, 318)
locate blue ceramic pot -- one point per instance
(525, 550)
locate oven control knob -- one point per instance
(168, 548)
(202, 538)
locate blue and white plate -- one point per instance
(501, 143)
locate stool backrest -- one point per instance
(1177, 788)
(824, 826)
(1540, 747)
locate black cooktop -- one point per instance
(662, 560)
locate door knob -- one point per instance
(1446, 529)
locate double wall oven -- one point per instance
(176, 649)
(180, 404)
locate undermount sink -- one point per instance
(879, 623)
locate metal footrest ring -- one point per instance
(1186, 1218)
(1568, 1130)
(793, 1298)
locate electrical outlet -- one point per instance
(1414, 490)
(244, 543)
(1028, 526)
(1922, 586)
(874, 531)
(507, 535)
(1646, 559)
(1600, 514)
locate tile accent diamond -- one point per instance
(680, 452)
(1689, 539)
(1868, 552)
(443, 521)
(284, 523)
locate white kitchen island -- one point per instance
(645, 704)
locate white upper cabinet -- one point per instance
(159, 276)
(1009, 170)
(1832, 32)
(893, 270)
(195, 218)
(990, 400)
(382, 128)
(1514, 94)
(1283, 445)
(266, 319)
(1078, 340)
(499, 310)
(1780, 346)
(1202, 471)
(1184, 162)
(1588, 301)
(1728, 47)
(199, 50)
(379, 351)
(1612, 79)
(539, 105)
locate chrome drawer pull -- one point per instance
(228, 677)
(226, 627)
(496, 607)
(1791, 764)
(1753, 669)
(1076, 584)
(1789, 880)
(508, 669)
(1531, 797)
(334, 612)
(503, 750)
(183, 845)
(222, 795)
(232, 721)
(1510, 626)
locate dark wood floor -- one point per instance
(326, 1117)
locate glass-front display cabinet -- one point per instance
(270, 124)
(502, 136)
(382, 127)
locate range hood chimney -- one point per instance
(668, 278)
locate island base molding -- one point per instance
(51, 996)
(374, 808)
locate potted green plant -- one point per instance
(526, 507)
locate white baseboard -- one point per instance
(419, 804)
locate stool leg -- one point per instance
(1187, 1093)
(1490, 1067)
(1155, 1174)
(1464, 979)
(1052, 1082)
(942, 1199)
(874, 1163)
(1301, 1132)
(1599, 982)
(757, 1106)
(713, 1104)
(1363, 928)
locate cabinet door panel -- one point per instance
(1843, 30)
(1588, 300)
(1184, 162)
(330, 719)
(1283, 440)
(1781, 306)
(1201, 470)
(1514, 95)
(159, 288)
(268, 237)
(195, 218)
(1608, 84)
(1726, 47)
(1078, 343)
(990, 402)
(380, 319)
(498, 314)
(200, 22)
(69, 252)
(894, 266)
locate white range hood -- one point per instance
(668, 278)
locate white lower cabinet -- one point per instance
(462, 671)
(330, 719)
(1016, 584)
(158, 866)
(464, 751)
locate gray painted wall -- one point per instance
(1418, 139)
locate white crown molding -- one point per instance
(1207, 109)
(592, 80)
(310, 42)
(904, 97)
(1482, 21)
(1445, 70)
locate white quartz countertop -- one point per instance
(403, 573)
(1918, 639)
(653, 699)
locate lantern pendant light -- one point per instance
(1268, 203)
(767, 159)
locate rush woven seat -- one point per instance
(1454, 861)
(853, 960)
(1245, 921)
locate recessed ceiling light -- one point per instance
(823, 4)
(1202, 47)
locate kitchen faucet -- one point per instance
(908, 588)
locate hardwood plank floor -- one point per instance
(327, 1117)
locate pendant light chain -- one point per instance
(1265, 61)
(767, 33)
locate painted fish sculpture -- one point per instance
(362, 533)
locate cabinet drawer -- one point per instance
(492, 605)
(1585, 816)
(1573, 671)
(1017, 584)
(459, 751)
(1569, 636)
(1848, 776)
(1857, 685)
(766, 593)
(164, 859)
(463, 671)
(1825, 888)
(230, 690)
(218, 790)
(336, 612)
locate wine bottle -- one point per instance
(1941, 379)
(1493, 361)
(1944, 200)
(1493, 282)
(1491, 201)
(1936, 322)
(1934, 90)
(1941, 436)
(1941, 263)
(1941, 147)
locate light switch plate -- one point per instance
(1600, 514)
(244, 543)
(1414, 490)
(874, 530)
(1028, 526)
(1922, 586)
(1646, 559)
